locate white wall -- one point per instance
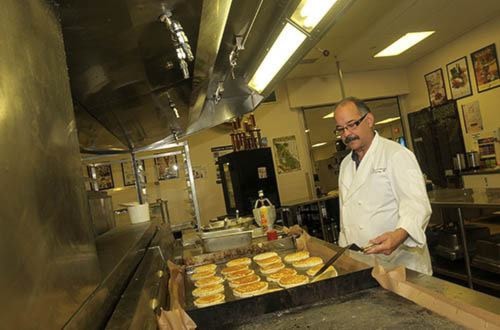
(480, 37)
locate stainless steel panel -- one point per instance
(125, 74)
(101, 211)
(226, 239)
(120, 251)
(47, 254)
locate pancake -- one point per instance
(293, 280)
(244, 280)
(292, 257)
(209, 281)
(233, 269)
(208, 290)
(330, 271)
(239, 274)
(209, 300)
(205, 268)
(202, 275)
(264, 255)
(272, 268)
(307, 263)
(275, 277)
(268, 261)
(239, 261)
(250, 289)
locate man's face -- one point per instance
(354, 136)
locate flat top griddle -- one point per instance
(374, 308)
(353, 276)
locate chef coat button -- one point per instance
(359, 203)
(360, 227)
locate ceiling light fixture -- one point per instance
(310, 12)
(387, 121)
(318, 144)
(330, 115)
(288, 41)
(402, 44)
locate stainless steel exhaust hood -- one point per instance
(129, 83)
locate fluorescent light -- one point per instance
(387, 121)
(289, 39)
(403, 43)
(307, 130)
(318, 144)
(330, 115)
(310, 12)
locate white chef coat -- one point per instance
(386, 192)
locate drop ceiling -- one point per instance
(369, 26)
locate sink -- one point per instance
(226, 239)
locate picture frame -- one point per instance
(129, 175)
(459, 78)
(104, 176)
(435, 87)
(286, 154)
(167, 167)
(485, 65)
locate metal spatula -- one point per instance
(331, 261)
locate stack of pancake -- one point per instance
(242, 279)
(209, 287)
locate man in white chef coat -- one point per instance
(383, 200)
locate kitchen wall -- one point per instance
(417, 99)
(173, 190)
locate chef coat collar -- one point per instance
(355, 157)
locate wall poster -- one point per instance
(459, 78)
(485, 64)
(287, 154)
(472, 117)
(104, 176)
(128, 173)
(435, 87)
(218, 152)
(167, 167)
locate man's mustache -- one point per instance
(351, 138)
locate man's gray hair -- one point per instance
(362, 107)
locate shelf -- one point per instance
(456, 270)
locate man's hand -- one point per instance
(387, 242)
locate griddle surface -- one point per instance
(368, 309)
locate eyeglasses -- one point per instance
(339, 130)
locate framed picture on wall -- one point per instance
(287, 154)
(129, 175)
(167, 167)
(435, 87)
(459, 78)
(485, 64)
(103, 177)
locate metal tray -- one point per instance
(237, 310)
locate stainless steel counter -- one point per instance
(484, 171)
(476, 198)
(465, 198)
(119, 251)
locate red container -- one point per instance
(272, 235)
